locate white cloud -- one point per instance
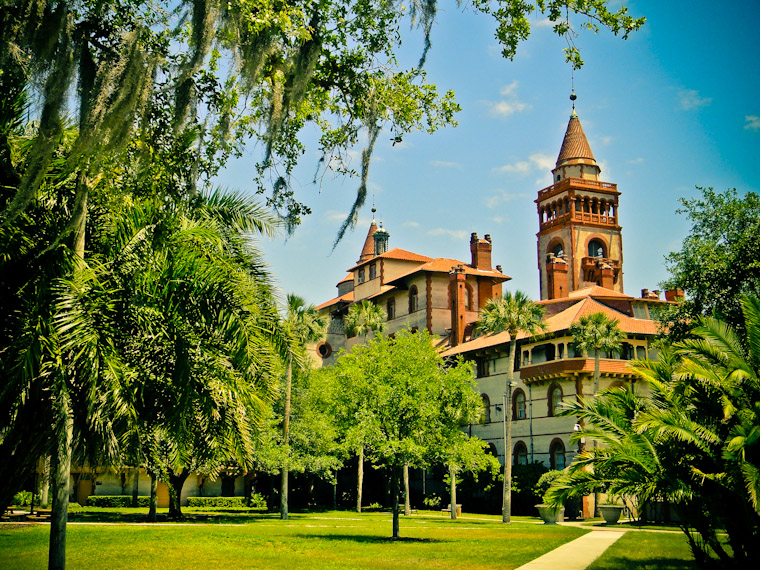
(604, 166)
(511, 88)
(411, 224)
(497, 219)
(523, 167)
(753, 123)
(445, 164)
(510, 105)
(454, 234)
(335, 216)
(504, 196)
(606, 140)
(536, 161)
(691, 99)
(543, 23)
(638, 160)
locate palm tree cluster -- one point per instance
(692, 442)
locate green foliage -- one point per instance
(693, 441)
(718, 261)
(546, 481)
(256, 501)
(363, 318)
(116, 501)
(432, 502)
(22, 499)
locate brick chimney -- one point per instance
(481, 251)
(457, 295)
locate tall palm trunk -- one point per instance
(135, 487)
(506, 494)
(61, 468)
(153, 509)
(395, 475)
(407, 502)
(360, 480)
(597, 375)
(285, 438)
(176, 482)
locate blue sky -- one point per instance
(675, 106)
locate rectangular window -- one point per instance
(372, 271)
(391, 308)
(361, 276)
(484, 368)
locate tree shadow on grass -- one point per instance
(373, 539)
(654, 563)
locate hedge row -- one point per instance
(116, 501)
(227, 502)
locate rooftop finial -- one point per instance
(573, 96)
(373, 207)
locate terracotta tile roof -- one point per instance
(444, 265)
(349, 277)
(575, 144)
(396, 253)
(596, 291)
(562, 321)
(369, 243)
(347, 298)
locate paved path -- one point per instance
(577, 554)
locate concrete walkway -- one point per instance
(577, 554)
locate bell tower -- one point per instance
(580, 241)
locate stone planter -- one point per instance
(611, 513)
(551, 515)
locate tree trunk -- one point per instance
(360, 480)
(335, 494)
(395, 475)
(453, 492)
(79, 220)
(135, 486)
(176, 482)
(506, 497)
(597, 512)
(285, 438)
(407, 502)
(153, 509)
(61, 468)
(45, 481)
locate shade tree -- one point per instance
(411, 405)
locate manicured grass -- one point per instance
(647, 551)
(324, 540)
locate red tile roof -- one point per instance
(562, 321)
(369, 243)
(396, 253)
(575, 144)
(347, 298)
(444, 265)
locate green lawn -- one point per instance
(647, 551)
(323, 540)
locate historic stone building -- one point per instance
(417, 292)
(580, 262)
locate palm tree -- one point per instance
(362, 318)
(304, 325)
(599, 333)
(691, 441)
(511, 314)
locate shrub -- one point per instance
(22, 498)
(432, 502)
(216, 502)
(116, 501)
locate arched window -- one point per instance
(518, 405)
(596, 248)
(467, 297)
(520, 454)
(486, 417)
(324, 350)
(557, 455)
(390, 308)
(413, 299)
(558, 250)
(554, 398)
